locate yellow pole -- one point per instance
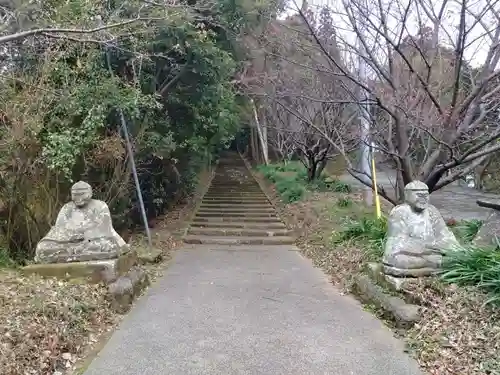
(374, 180)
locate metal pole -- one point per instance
(136, 178)
(130, 153)
(364, 119)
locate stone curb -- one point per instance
(404, 315)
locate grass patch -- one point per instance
(344, 202)
(367, 232)
(474, 266)
(466, 230)
(291, 181)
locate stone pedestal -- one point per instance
(123, 277)
(379, 289)
(92, 271)
(125, 289)
(376, 272)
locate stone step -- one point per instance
(235, 198)
(263, 215)
(246, 219)
(241, 240)
(235, 189)
(263, 232)
(239, 181)
(236, 193)
(237, 224)
(235, 203)
(245, 182)
(224, 187)
(239, 205)
(235, 208)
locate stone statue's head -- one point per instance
(81, 193)
(417, 195)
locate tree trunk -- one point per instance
(321, 167)
(311, 169)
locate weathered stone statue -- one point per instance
(83, 231)
(417, 235)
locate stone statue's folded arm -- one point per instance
(102, 226)
(444, 237)
(399, 240)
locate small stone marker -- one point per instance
(417, 236)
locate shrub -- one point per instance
(473, 266)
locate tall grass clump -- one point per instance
(368, 231)
(466, 230)
(474, 266)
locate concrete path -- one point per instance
(249, 310)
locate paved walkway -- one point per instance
(249, 310)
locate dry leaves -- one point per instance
(459, 335)
(46, 324)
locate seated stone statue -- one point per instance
(83, 231)
(417, 235)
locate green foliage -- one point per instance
(340, 187)
(344, 202)
(368, 231)
(291, 177)
(289, 180)
(466, 230)
(290, 189)
(5, 260)
(473, 266)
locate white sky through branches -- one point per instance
(479, 20)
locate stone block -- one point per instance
(376, 273)
(403, 314)
(123, 291)
(94, 272)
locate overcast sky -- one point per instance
(477, 40)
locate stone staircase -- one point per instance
(235, 211)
